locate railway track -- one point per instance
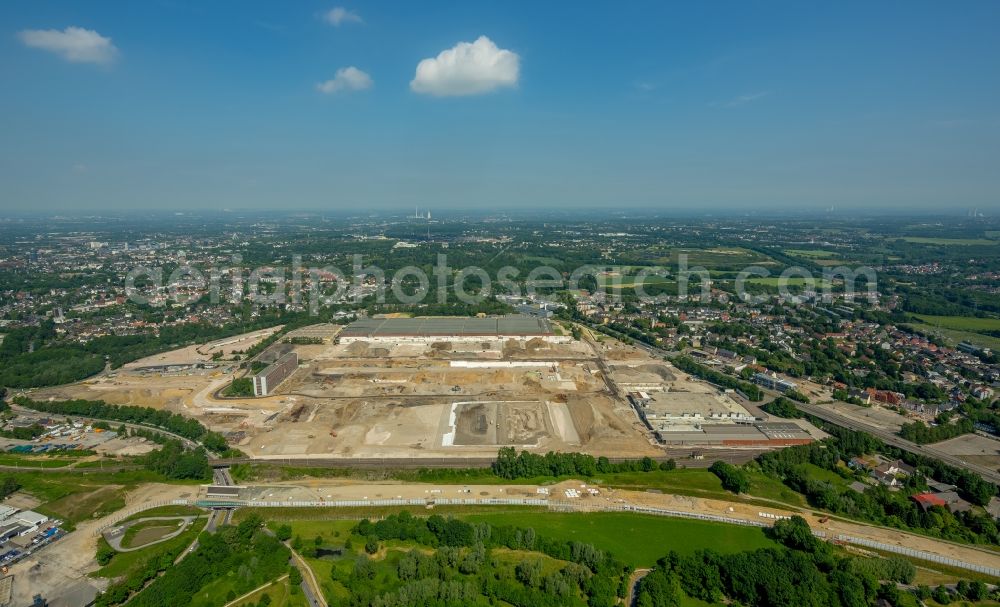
(702, 459)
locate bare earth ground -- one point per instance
(406, 400)
(64, 565)
(875, 416)
(975, 448)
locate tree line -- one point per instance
(461, 571)
(802, 572)
(512, 465)
(174, 423)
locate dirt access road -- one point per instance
(62, 567)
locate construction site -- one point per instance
(440, 388)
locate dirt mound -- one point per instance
(357, 348)
(583, 417)
(658, 370)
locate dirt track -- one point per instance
(66, 563)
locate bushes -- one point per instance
(923, 434)
(782, 407)
(242, 386)
(104, 552)
(9, 487)
(733, 479)
(461, 572)
(688, 365)
(174, 461)
(511, 465)
(244, 553)
(147, 416)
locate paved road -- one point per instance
(310, 586)
(633, 581)
(829, 415)
(115, 535)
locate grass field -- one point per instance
(791, 281)
(961, 323)
(630, 282)
(954, 336)
(125, 562)
(168, 511)
(148, 532)
(89, 502)
(22, 461)
(950, 241)
(638, 540)
(822, 474)
(811, 253)
(709, 257)
(280, 594)
(75, 497)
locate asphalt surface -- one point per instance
(895, 440)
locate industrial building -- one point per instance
(692, 418)
(21, 523)
(460, 329)
(275, 373)
(680, 410)
(738, 435)
(774, 383)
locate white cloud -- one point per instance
(744, 99)
(467, 69)
(340, 15)
(74, 44)
(346, 79)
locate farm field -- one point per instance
(954, 336)
(950, 241)
(812, 253)
(792, 281)
(961, 323)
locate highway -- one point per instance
(885, 436)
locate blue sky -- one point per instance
(703, 105)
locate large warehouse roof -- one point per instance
(493, 326)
